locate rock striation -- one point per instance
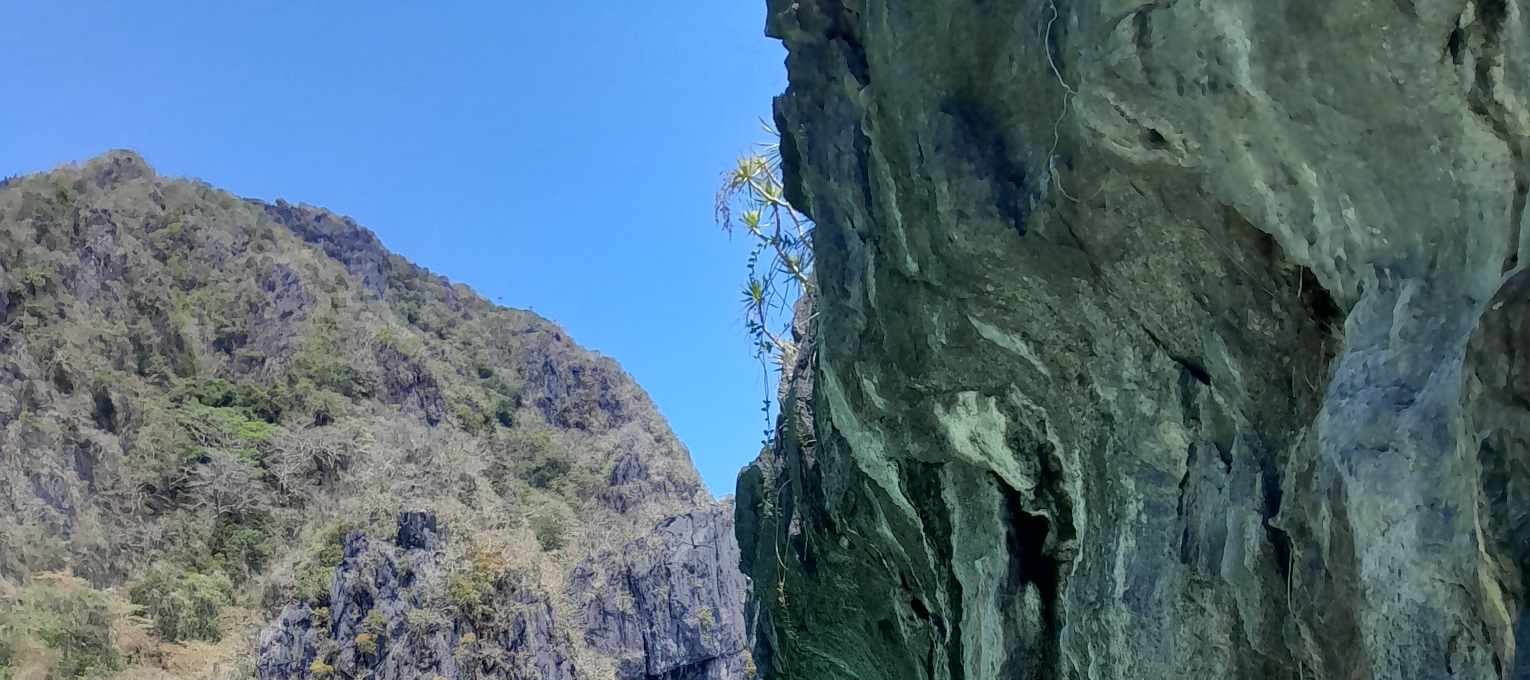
(669, 605)
(1152, 340)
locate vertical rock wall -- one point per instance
(1154, 339)
(669, 605)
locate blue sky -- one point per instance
(558, 156)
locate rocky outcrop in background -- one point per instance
(671, 604)
(385, 621)
(665, 606)
(1153, 340)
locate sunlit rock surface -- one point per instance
(665, 606)
(1153, 340)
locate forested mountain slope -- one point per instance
(218, 412)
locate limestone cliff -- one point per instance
(669, 605)
(1153, 340)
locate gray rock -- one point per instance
(1153, 340)
(387, 621)
(289, 645)
(408, 382)
(420, 531)
(669, 605)
(341, 238)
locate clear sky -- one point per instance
(559, 156)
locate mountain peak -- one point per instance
(118, 165)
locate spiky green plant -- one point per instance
(779, 269)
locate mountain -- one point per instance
(1152, 340)
(242, 439)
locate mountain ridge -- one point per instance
(206, 397)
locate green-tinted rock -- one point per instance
(1140, 342)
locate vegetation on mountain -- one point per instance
(202, 396)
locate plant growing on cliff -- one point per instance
(315, 570)
(779, 268)
(472, 581)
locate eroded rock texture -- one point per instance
(1153, 340)
(669, 605)
(386, 621)
(665, 606)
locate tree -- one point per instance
(779, 269)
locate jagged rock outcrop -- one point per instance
(1153, 340)
(389, 618)
(669, 605)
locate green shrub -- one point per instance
(161, 449)
(225, 427)
(241, 543)
(318, 406)
(550, 523)
(316, 567)
(779, 269)
(505, 387)
(326, 406)
(540, 461)
(375, 623)
(472, 414)
(319, 362)
(473, 580)
(504, 412)
(257, 402)
(67, 617)
(183, 604)
(546, 472)
(406, 345)
(422, 621)
(550, 531)
(172, 438)
(34, 279)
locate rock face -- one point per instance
(1153, 340)
(666, 606)
(386, 621)
(669, 605)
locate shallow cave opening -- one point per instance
(104, 411)
(1320, 305)
(1037, 567)
(1033, 566)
